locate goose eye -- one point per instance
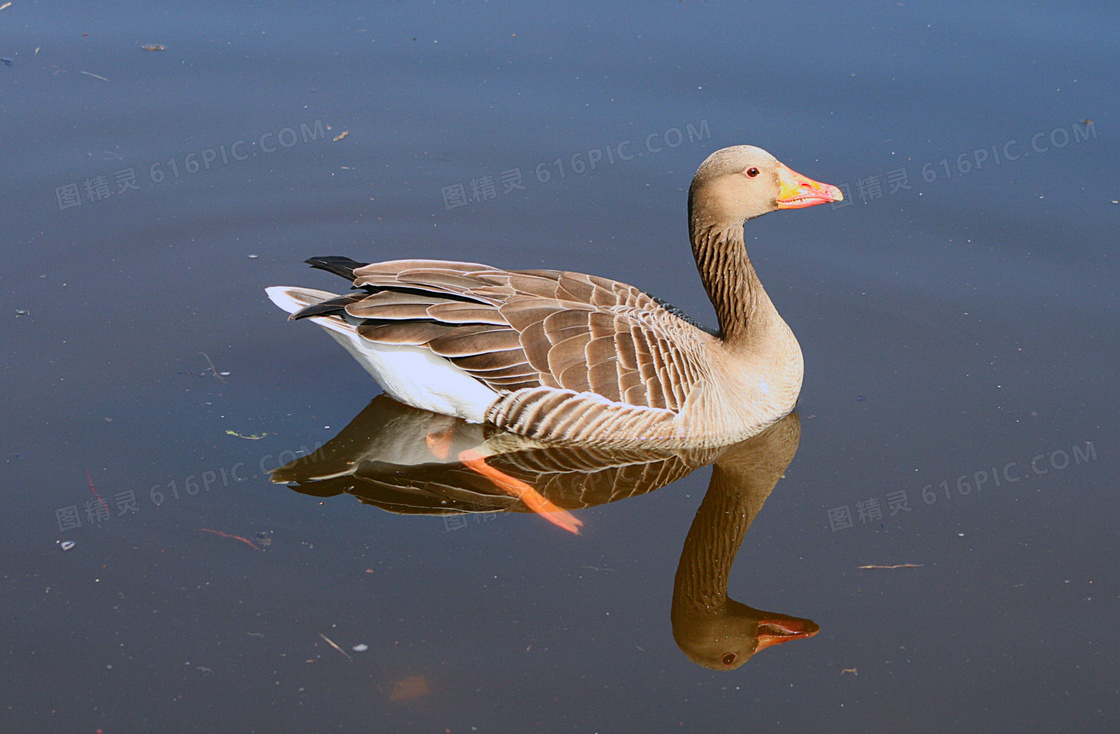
(729, 658)
(752, 172)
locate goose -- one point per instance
(565, 357)
(414, 462)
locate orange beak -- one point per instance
(799, 191)
(779, 629)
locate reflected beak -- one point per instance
(776, 631)
(799, 191)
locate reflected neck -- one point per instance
(733, 500)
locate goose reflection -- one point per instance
(409, 461)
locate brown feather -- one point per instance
(390, 311)
(536, 346)
(447, 280)
(575, 377)
(391, 268)
(624, 348)
(533, 284)
(603, 378)
(403, 332)
(490, 361)
(635, 394)
(466, 313)
(568, 353)
(521, 312)
(575, 287)
(463, 341)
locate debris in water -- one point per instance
(95, 76)
(94, 490)
(213, 370)
(152, 47)
(67, 544)
(234, 537)
(22, 312)
(360, 648)
(897, 565)
(250, 437)
(336, 647)
(412, 687)
(340, 136)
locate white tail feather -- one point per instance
(293, 299)
(411, 374)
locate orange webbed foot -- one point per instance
(533, 499)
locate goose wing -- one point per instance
(513, 330)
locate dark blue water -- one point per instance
(957, 319)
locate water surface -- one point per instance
(957, 319)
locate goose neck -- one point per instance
(729, 278)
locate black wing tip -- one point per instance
(342, 266)
(331, 307)
(317, 309)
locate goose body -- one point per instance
(568, 357)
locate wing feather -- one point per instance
(539, 329)
(466, 313)
(473, 339)
(481, 364)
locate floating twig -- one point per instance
(897, 565)
(95, 76)
(213, 370)
(91, 488)
(336, 647)
(250, 543)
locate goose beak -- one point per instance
(775, 631)
(799, 191)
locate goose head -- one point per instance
(729, 635)
(742, 182)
